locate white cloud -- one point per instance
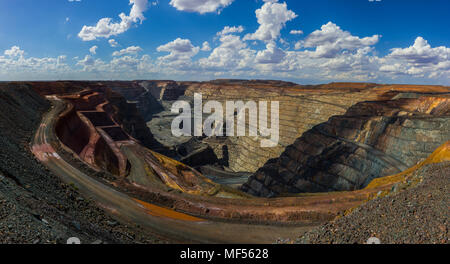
(178, 46)
(125, 63)
(86, 61)
(200, 6)
(106, 28)
(272, 17)
(15, 66)
(113, 43)
(205, 46)
(271, 54)
(330, 40)
(232, 53)
(14, 51)
(180, 53)
(129, 50)
(391, 67)
(61, 59)
(228, 30)
(361, 61)
(119, 67)
(327, 54)
(93, 50)
(419, 60)
(421, 53)
(296, 32)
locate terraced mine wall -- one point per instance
(106, 158)
(373, 139)
(132, 121)
(58, 87)
(144, 98)
(166, 90)
(301, 108)
(333, 137)
(76, 128)
(89, 101)
(73, 132)
(128, 104)
(342, 152)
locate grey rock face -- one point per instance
(373, 139)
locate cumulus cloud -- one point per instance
(330, 40)
(296, 32)
(327, 54)
(228, 30)
(205, 46)
(178, 46)
(113, 43)
(421, 53)
(93, 50)
(419, 60)
(200, 6)
(106, 28)
(61, 59)
(361, 61)
(272, 17)
(271, 54)
(14, 51)
(14, 65)
(129, 50)
(180, 53)
(119, 67)
(125, 63)
(232, 53)
(86, 61)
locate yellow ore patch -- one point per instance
(441, 154)
(168, 213)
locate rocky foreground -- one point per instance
(410, 214)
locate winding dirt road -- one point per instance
(165, 222)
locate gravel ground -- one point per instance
(35, 206)
(416, 214)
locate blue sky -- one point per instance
(387, 41)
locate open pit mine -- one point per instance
(98, 161)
